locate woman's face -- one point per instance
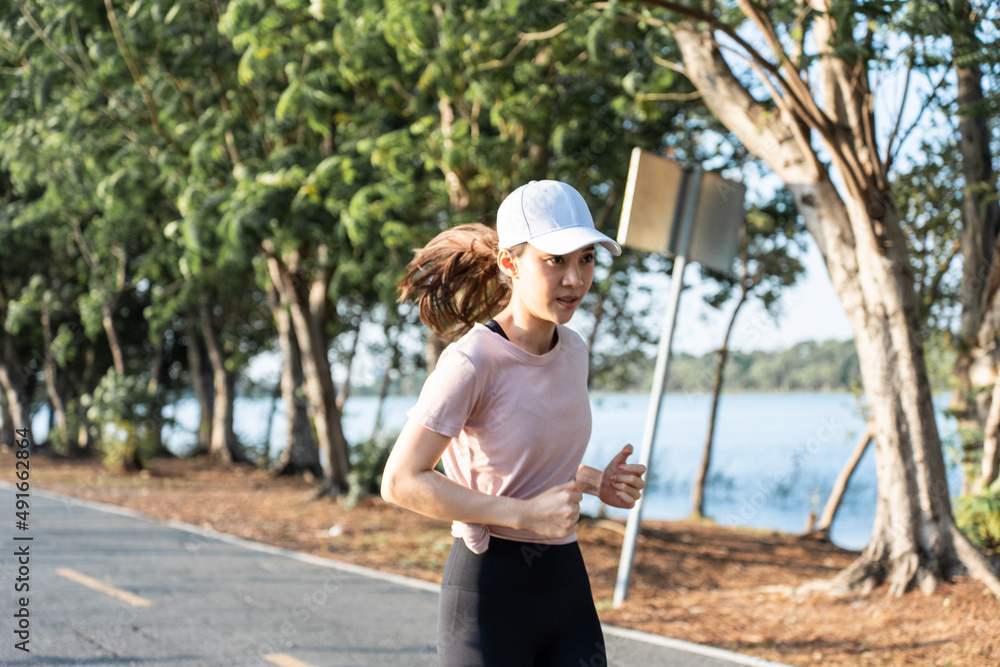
(550, 287)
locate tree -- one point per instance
(490, 102)
(976, 403)
(793, 106)
(19, 261)
(767, 265)
(76, 171)
(309, 197)
(300, 453)
(123, 140)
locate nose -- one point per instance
(573, 276)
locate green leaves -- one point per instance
(334, 134)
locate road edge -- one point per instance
(409, 582)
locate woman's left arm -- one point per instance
(619, 485)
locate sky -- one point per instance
(811, 310)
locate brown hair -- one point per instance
(455, 279)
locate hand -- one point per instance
(622, 482)
(553, 513)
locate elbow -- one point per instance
(390, 487)
(396, 486)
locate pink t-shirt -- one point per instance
(519, 422)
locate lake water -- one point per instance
(774, 460)
(775, 456)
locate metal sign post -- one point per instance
(693, 216)
(687, 205)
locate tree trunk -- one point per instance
(822, 529)
(13, 385)
(201, 383)
(865, 253)
(156, 370)
(84, 437)
(911, 539)
(383, 392)
(698, 489)
(345, 386)
(6, 424)
(107, 319)
(300, 455)
(223, 446)
(308, 301)
(56, 397)
(265, 455)
(991, 451)
(433, 347)
(597, 312)
(981, 258)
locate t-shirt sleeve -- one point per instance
(449, 395)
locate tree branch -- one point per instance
(935, 286)
(795, 88)
(133, 69)
(794, 84)
(761, 130)
(899, 117)
(890, 158)
(715, 24)
(81, 242)
(536, 36)
(656, 97)
(840, 84)
(80, 50)
(37, 29)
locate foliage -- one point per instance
(124, 407)
(151, 150)
(808, 366)
(979, 518)
(368, 460)
(929, 199)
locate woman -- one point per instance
(506, 410)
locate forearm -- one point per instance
(589, 480)
(432, 494)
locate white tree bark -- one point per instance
(18, 405)
(308, 301)
(822, 528)
(301, 454)
(223, 445)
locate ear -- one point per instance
(506, 263)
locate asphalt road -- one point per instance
(107, 586)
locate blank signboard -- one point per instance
(651, 215)
(652, 194)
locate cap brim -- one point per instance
(570, 239)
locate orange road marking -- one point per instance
(283, 660)
(102, 587)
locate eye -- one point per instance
(588, 258)
(557, 259)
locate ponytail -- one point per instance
(455, 279)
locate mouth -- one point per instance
(568, 301)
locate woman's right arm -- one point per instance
(410, 481)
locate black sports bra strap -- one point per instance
(492, 325)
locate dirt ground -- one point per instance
(698, 582)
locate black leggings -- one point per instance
(518, 605)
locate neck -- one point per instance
(529, 334)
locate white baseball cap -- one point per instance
(550, 215)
